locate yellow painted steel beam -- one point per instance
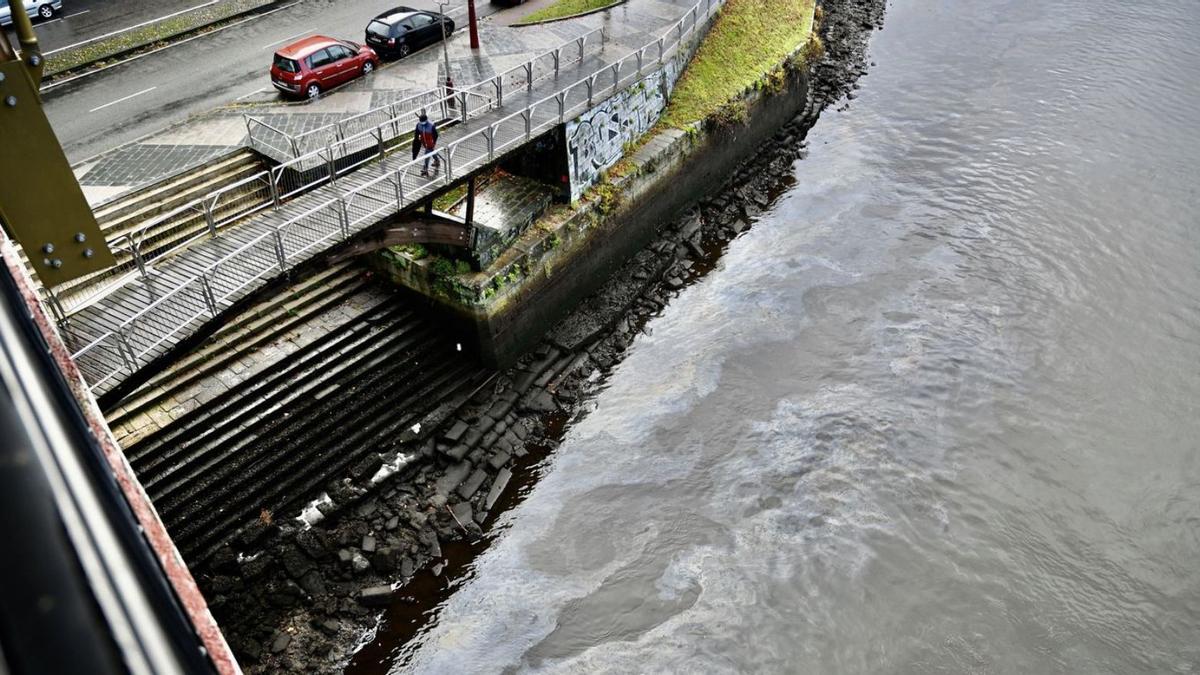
(42, 206)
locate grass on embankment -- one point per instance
(749, 39)
(563, 8)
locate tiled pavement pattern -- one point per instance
(128, 165)
(185, 287)
(223, 130)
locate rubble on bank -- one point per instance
(300, 597)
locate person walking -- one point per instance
(425, 143)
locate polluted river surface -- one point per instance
(936, 411)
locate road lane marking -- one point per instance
(249, 94)
(59, 83)
(290, 37)
(77, 14)
(144, 91)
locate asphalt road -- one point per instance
(111, 107)
(83, 20)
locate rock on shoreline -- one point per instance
(301, 598)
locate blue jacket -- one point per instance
(425, 135)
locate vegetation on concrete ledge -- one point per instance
(565, 8)
(749, 40)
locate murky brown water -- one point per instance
(936, 412)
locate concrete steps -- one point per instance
(125, 212)
(282, 432)
(168, 200)
(255, 327)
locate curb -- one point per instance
(158, 43)
(522, 24)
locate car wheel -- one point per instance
(313, 90)
(404, 50)
(46, 11)
(368, 67)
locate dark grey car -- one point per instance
(401, 31)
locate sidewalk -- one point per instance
(223, 130)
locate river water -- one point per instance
(935, 412)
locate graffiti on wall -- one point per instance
(597, 138)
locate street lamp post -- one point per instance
(446, 53)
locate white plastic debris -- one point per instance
(459, 345)
(311, 515)
(391, 466)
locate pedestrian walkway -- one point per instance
(142, 321)
(223, 130)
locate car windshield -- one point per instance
(285, 64)
(379, 29)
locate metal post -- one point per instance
(463, 104)
(135, 249)
(639, 58)
(126, 350)
(344, 217)
(473, 24)
(449, 169)
(208, 216)
(561, 97)
(399, 192)
(379, 138)
(491, 141)
(529, 75)
(279, 251)
(209, 298)
(499, 85)
(330, 163)
(616, 71)
(557, 53)
(591, 84)
(445, 44)
(274, 186)
(470, 201)
(581, 41)
(660, 51)
(528, 115)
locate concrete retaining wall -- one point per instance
(563, 259)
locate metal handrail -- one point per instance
(395, 180)
(496, 82)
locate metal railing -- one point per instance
(448, 103)
(140, 337)
(311, 159)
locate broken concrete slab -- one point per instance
(498, 486)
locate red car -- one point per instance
(318, 63)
